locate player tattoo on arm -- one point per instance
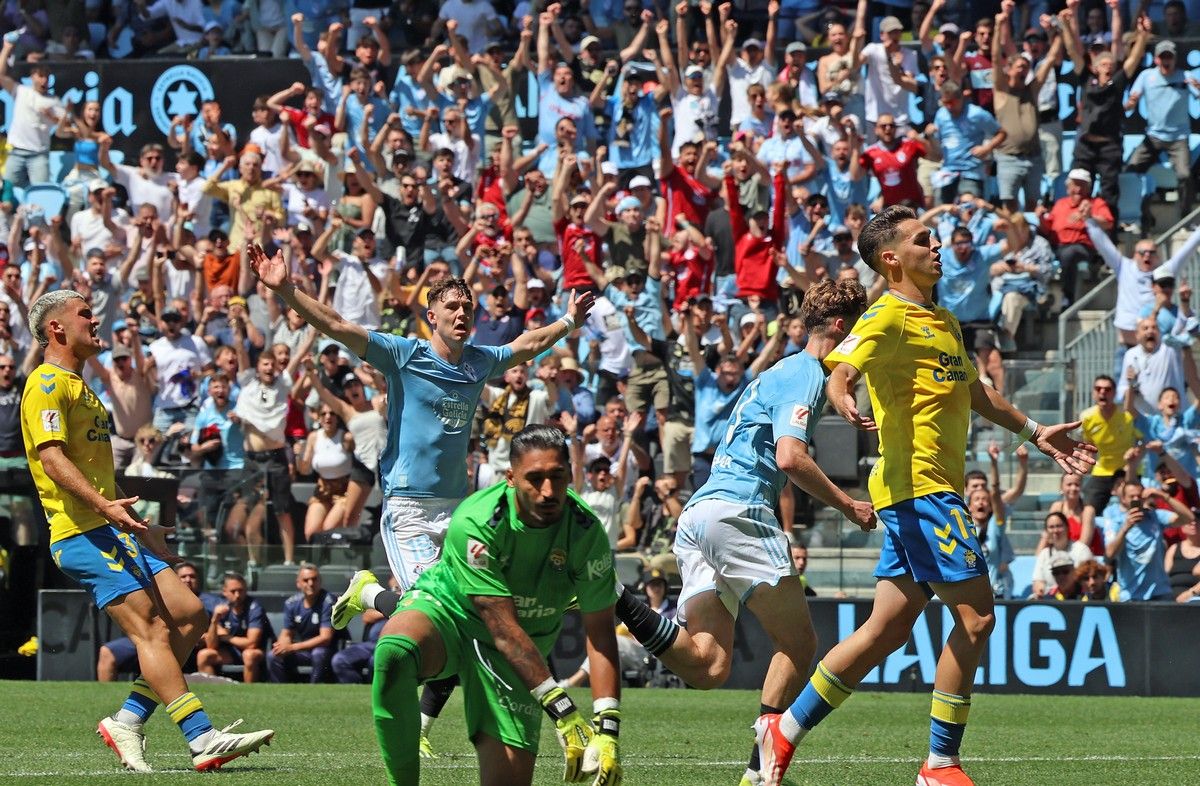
(499, 614)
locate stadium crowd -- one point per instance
(693, 166)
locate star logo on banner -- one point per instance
(183, 100)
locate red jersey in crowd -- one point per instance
(896, 171)
(754, 257)
(685, 195)
(693, 274)
(1063, 226)
(296, 120)
(575, 273)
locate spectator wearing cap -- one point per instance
(177, 358)
(573, 395)
(654, 584)
(558, 96)
(360, 275)
(891, 75)
(460, 89)
(695, 100)
(1066, 224)
(700, 52)
(633, 240)
(633, 124)
(304, 197)
(130, 383)
(894, 161)
(1019, 164)
(213, 42)
(967, 134)
(1167, 92)
(841, 257)
(755, 66)
(1099, 147)
(787, 147)
(1036, 47)
(946, 39)
(372, 49)
(798, 75)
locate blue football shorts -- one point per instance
(107, 562)
(930, 538)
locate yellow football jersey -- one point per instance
(59, 407)
(918, 372)
(1112, 437)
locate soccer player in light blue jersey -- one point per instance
(731, 548)
(433, 388)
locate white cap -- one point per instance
(1163, 273)
(535, 283)
(639, 181)
(1080, 174)
(608, 168)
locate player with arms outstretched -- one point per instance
(433, 390)
(923, 389)
(516, 556)
(730, 547)
(96, 540)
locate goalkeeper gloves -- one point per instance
(602, 756)
(573, 732)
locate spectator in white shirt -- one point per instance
(145, 183)
(360, 275)
(93, 227)
(756, 66)
(31, 116)
(1149, 367)
(186, 17)
(891, 76)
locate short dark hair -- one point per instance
(538, 437)
(827, 300)
(975, 474)
(880, 232)
(960, 233)
(446, 286)
(233, 575)
(1106, 378)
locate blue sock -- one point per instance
(140, 703)
(822, 695)
(188, 713)
(947, 722)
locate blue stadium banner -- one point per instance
(138, 98)
(1132, 649)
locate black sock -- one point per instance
(435, 695)
(386, 602)
(754, 764)
(655, 632)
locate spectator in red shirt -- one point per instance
(1065, 225)
(301, 120)
(690, 260)
(688, 189)
(578, 244)
(757, 240)
(893, 161)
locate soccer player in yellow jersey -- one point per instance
(923, 388)
(96, 540)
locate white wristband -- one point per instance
(1031, 428)
(544, 688)
(569, 322)
(608, 703)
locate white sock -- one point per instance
(369, 594)
(936, 760)
(791, 728)
(752, 776)
(426, 724)
(128, 718)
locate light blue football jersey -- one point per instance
(430, 407)
(785, 401)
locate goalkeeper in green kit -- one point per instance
(515, 557)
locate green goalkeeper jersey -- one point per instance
(489, 551)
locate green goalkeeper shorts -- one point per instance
(496, 702)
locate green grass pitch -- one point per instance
(669, 738)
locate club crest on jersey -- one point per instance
(558, 560)
(52, 421)
(799, 416)
(477, 554)
(926, 331)
(970, 558)
(848, 344)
